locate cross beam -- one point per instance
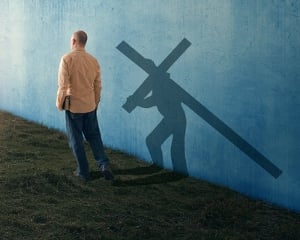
(150, 68)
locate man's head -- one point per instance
(78, 39)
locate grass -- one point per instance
(40, 199)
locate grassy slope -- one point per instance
(40, 199)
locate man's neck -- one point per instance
(78, 48)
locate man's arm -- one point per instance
(98, 86)
(63, 84)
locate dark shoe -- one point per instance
(83, 179)
(107, 172)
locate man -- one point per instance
(79, 92)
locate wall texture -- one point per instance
(229, 111)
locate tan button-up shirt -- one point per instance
(79, 77)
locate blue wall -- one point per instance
(242, 66)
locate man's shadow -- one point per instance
(167, 100)
(168, 97)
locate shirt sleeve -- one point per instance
(63, 82)
(98, 85)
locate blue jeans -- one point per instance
(77, 125)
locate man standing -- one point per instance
(79, 92)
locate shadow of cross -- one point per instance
(158, 77)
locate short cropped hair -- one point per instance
(81, 37)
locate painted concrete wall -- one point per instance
(234, 92)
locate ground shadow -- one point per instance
(138, 170)
(132, 171)
(151, 174)
(159, 178)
